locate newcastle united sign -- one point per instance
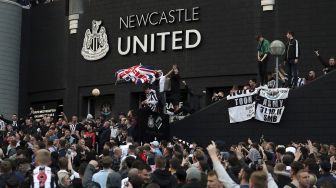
(95, 45)
(179, 40)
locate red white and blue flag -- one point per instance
(138, 74)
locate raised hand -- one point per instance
(310, 146)
(249, 141)
(297, 154)
(212, 149)
(239, 152)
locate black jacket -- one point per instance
(164, 178)
(326, 178)
(104, 135)
(292, 49)
(16, 125)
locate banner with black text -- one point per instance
(270, 104)
(241, 105)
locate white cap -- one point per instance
(89, 116)
(291, 149)
(155, 143)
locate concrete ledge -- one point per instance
(14, 3)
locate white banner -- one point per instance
(241, 105)
(270, 104)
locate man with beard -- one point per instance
(213, 181)
(303, 178)
(144, 172)
(161, 175)
(244, 176)
(311, 76)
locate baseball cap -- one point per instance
(155, 143)
(291, 149)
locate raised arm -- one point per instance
(7, 121)
(320, 58)
(270, 180)
(222, 174)
(73, 172)
(169, 73)
(64, 117)
(89, 171)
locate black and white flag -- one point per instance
(270, 104)
(241, 105)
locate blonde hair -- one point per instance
(312, 180)
(43, 157)
(258, 179)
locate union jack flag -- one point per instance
(137, 74)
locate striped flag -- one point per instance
(137, 74)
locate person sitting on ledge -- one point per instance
(310, 77)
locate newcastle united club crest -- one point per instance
(105, 109)
(95, 44)
(154, 122)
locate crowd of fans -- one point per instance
(102, 153)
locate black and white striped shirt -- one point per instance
(152, 100)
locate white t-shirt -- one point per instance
(124, 150)
(162, 83)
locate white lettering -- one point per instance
(137, 42)
(163, 17)
(170, 14)
(142, 20)
(130, 21)
(152, 42)
(150, 18)
(149, 41)
(186, 16)
(195, 13)
(179, 14)
(127, 48)
(163, 39)
(175, 40)
(123, 22)
(198, 38)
